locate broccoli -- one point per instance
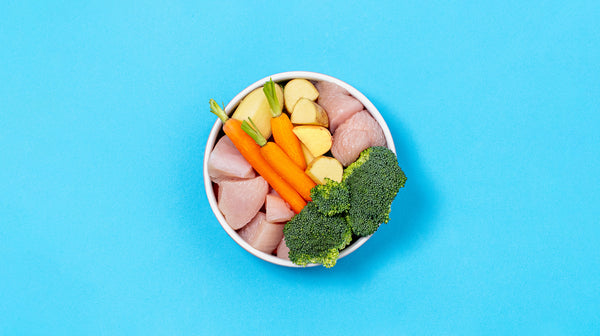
(373, 180)
(313, 237)
(331, 198)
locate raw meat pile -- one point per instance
(353, 128)
(245, 199)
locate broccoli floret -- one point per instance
(313, 237)
(373, 180)
(331, 198)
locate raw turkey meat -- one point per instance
(356, 134)
(278, 211)
(262, 234)
(226, 162)
(240, 200)
(283, 251)
(337, 102)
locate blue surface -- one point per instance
(105, 227)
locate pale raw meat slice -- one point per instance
(330, 88)
(337, 102)
(226, 162)
(262, 234)
(283, 251)
(356, 134)
(273, 192)
(240, 200)
(278, 211)
(347, 145)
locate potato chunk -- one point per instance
(307, 112)
(325, 167)
(256, 106)
(308, 157)
(317, 139)
(296, 89)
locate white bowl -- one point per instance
(212, 139)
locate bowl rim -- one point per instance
(212, 139)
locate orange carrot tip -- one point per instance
(271, 94)
(252, 130)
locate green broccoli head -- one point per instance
(331, 198)
(373, 181)
(313, 237)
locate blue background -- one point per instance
(105, 228)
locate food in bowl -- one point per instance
(299, 189)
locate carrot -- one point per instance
(282, 163)
(250, 150)
(281, 126)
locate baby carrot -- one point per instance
(281, 126)
(250, 150)
(282, 163)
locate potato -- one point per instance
(308, 157)
(296, 89)
(256, 106)
(317, 139)
(307, 112)
(325, 167)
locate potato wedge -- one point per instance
(307, 112)
(308, 157)
(296, 89)
(256, 106)
(317, 139)
(325, 167)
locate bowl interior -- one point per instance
(215, 132)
